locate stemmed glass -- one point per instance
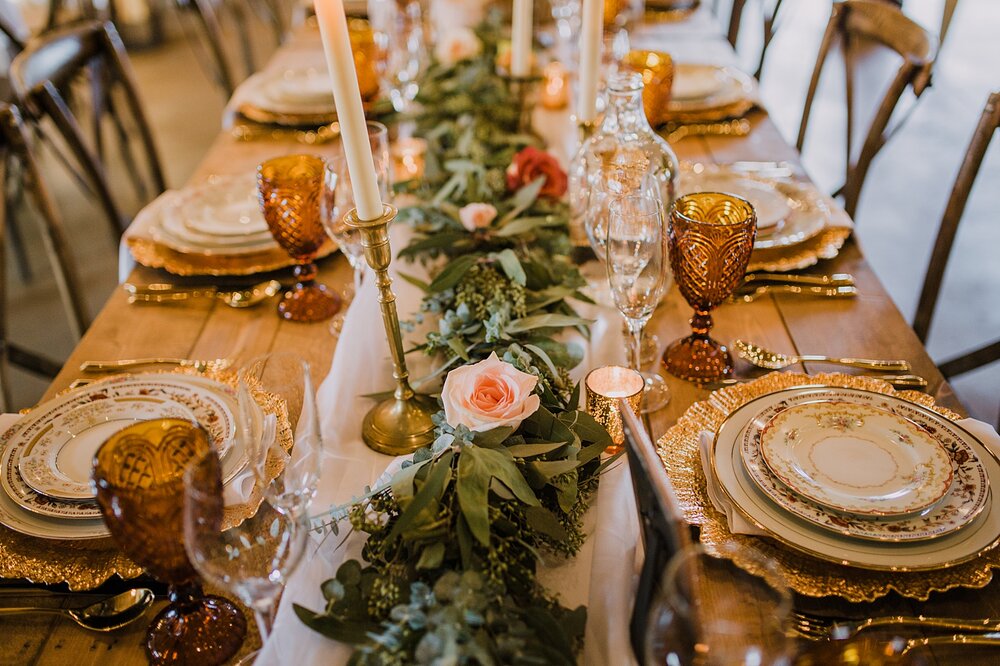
(138, 477)
(399, 37)
(338, 196)
(711, 238)
(637, 269)
(254, 557)
(289, 190)
(701, 616)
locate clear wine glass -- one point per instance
(701, 615)
(400, 41)
(285, 445)
(338, 197)
(637, 273)
(252, 557)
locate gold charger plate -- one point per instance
(84, 565)
(679, 451)
(824, 245)
(156, 255)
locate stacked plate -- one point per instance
(708, 93)
(789, 212)
(859, 478)
(220, 216)
(293, 92)
(46, 458)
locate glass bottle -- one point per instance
(623, 156)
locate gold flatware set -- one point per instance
(234, 298)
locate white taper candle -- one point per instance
(520, 47)
(350, 113)
(590, 59)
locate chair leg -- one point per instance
(13, 198)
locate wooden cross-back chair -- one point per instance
(93, 52)
(15, 143)
(660, 520)
(989, 122)
(770, 10)
(884, 24)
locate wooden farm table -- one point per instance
(869, 325)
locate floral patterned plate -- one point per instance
(968, 496)
(856, 458)
(980, 534)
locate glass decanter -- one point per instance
(623, 156)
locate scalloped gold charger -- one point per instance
(84, 565)
(679, 450)
(156, 255)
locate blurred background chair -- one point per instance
(856, 26)
(989, 122)
(764, 12)
(15, 145)
(89, 58)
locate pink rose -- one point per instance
(477, 215)
(457, 45)
(489, 394)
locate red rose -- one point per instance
(531, 163)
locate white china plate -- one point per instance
(791, 212)
(698, 87)
(58, 463)
(223, 206)
(856, 459)
(981, 533)
(966, 499)
(296, 91)
(168, 229)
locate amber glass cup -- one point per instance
(657, 69)
(710, 237)
(139, 476)
(289, 190)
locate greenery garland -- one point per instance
(454, 539)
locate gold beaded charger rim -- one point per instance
(156, 255)
(679, 451)
(824, 245)
(84, 565)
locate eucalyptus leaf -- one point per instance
(537, 449)
(453, 273)
(431, 556)
(492, 438)
(511, 266)
(428, 497)
(542, 520)
(545, 321)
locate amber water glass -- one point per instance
(710, 238)
(289, 191)
(139, 477)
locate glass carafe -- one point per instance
(623, 156)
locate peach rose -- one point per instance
(531, 163)
(457, 45)
(477, 215)
(489, 394)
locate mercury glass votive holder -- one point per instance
(605, 387)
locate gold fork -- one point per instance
(820, 627)
(841, 291)
(200, 366)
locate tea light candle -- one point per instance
(350, 113)
(555, 87)
(520, 37)
(605, 386)
(591, 43)
(408, 159)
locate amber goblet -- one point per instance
(139, 477)
(289, 190)
(710, 237)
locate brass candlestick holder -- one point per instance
(524, 90)
(400, 424)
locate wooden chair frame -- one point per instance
(886, 24)
(660, 518)
(770, 27)
(48, 65)
(989, 122)
(15, 141)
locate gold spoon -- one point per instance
(236, 298)
(105, 615)
(765, 358)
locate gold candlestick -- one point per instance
(524, 90)
(400, 424)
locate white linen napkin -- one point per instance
(740, 525)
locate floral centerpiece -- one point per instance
(454, 539)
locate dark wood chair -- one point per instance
(770, 10)
(855, 24)
(989, 122)
(660, 519)
(92, 52)
(15, 145)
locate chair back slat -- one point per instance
(661, 521)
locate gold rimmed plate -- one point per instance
(966, 499)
